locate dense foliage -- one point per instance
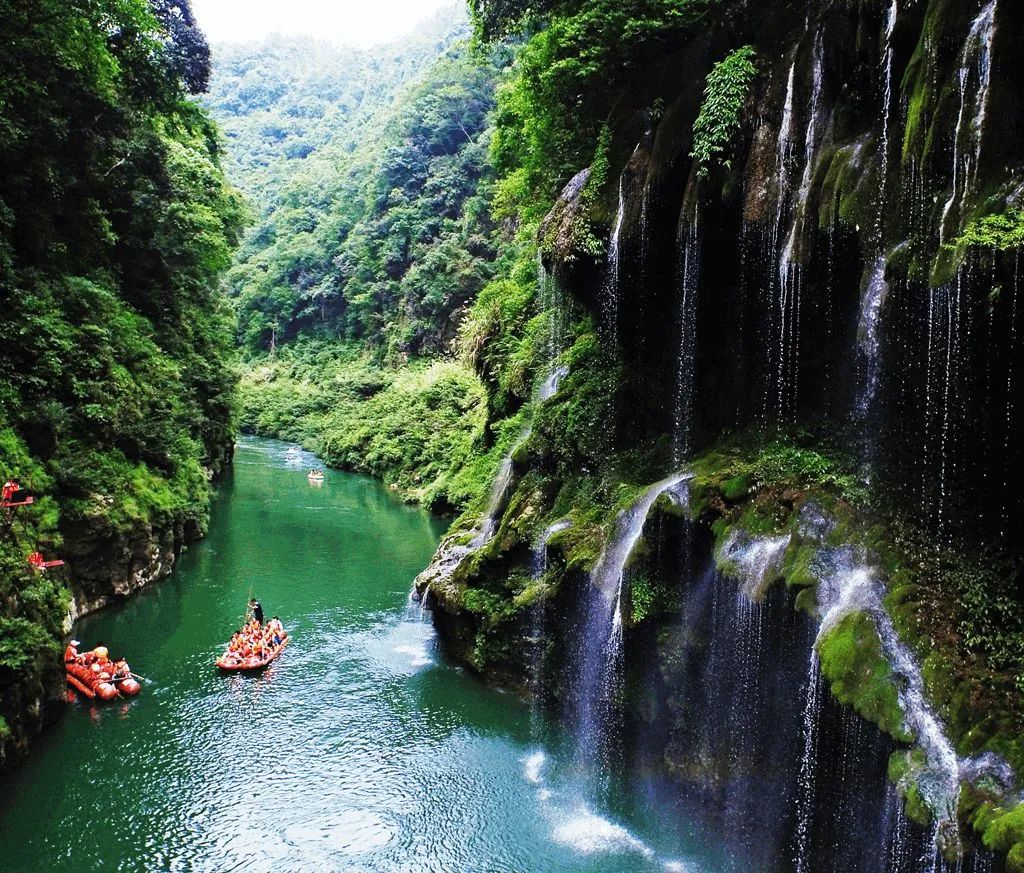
(383, 233)
(569, 78)
(281, 101)
(115, 225)
(727, 89)
(418, 428)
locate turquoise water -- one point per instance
(359, 749)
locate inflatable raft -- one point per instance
(234, 664)
(92, 684)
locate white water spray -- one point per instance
(975, 57)
(852, 587)
(872, 300)
(686, 362)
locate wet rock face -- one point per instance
(871, 141)
(107, 569)
(32, 701)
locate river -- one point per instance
(359, 749)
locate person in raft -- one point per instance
(256, 608)
(71, 655)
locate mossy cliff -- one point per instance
(811, 304)
(116, 390)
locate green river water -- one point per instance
(359, 749)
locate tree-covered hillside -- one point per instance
(116, 393)
(381, 242)
(281, 101)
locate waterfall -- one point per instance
(610, 569)
(850, 586)
(783, 159)
(789, 279)
(496, 503)
(601, 646)
(868, 345)
(808, 764)
(784, 153)
(942, 363)
(538, 567)
(976, 56)
(452, 552)
(887, 59)
(552, 304)
(1007, 490)
(500, 489)
(755, 562)
(549, 387)
(613, 272)
(689, 281)
(611, 280)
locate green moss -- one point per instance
(916, 807)
(844, 186)
(798, 565)
(860, 676)
(1003, 831)
(529, 595)
(736, 488)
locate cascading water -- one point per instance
(613, 262)
(975, 57)
(453, 551)
(538, 567)
(1008, 417)
(496, 504)
(601, 644)
(789, 279)
(780, 313)
(850, 586)
(689, 282)
(942, 407)
(610, 302)
(500, 489)
(868, 342)
(808, 763)
(756, 562)
(887, 60)
(551, 304)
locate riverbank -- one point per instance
(113, 544)
(421, 428)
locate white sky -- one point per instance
(345, 22)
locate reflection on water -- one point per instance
(359, 749)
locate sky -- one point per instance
(345, 22)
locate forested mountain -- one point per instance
(280, 101)
(383, 242)
(117, 398)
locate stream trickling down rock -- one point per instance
(360, 749)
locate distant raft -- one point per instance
(316, 476)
